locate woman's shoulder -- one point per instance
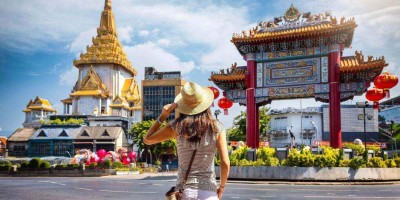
(220, 126)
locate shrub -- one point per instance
(356, 163)
(106, 164)
(265, 152)
(325, 161)
(18, 165)
(390, 163)
(61, 167)
(5, 163)
(45, 165)
(25, 164)
(397, 161)
(92, 165)
(5, 167)
(376, 162)
(35, 163)
(300, 159)
(239, 153)
(358, 148)
(158, 163)
(73, 166)
(117, 165)
(344, 163)
(272, 161)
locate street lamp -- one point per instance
(364, 105)
(216, 113)
(391, 134)
(316, 135)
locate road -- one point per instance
(153, 188)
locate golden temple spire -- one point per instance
(106, 47)
(107, 23)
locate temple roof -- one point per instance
(352, 69)
(120, 102)
(232, 74)
(39, 104)
(97, 132)
(357, 63)
(106, 47)
(91, 85)
(21, 135)
(130, 90)
(294, 25)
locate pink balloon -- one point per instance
(101, 153)
(132, 155)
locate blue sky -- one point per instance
(39, 40)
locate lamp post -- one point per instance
(216, 113)
(316, 135)
(391, 132)
(364, 105)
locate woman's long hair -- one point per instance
(194, 127)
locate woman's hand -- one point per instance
(220, 190)
(167, 110)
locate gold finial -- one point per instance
(107, 5)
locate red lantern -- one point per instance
(386, 81)
(216, 93)
(225, 103)
(375, 95)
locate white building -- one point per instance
(284, 121)
(304, 124)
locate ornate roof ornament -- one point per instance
(106, 47)
(91, 85)
(292, 14)
(294, 25)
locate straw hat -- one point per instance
(194, 99)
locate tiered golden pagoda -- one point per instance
(105, 73)
(106, 47)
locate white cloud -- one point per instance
(164, 42)
(68, 77)
(149, 54)
(82, 40)
(144, 33)
(125, 34)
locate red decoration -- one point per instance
(375, 95)
(132, 155)
(126, 160)
(101, 153)
(386, 81)
(225, 103)
(215, 91)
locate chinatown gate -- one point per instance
(297, 55)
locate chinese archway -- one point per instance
(297, 55)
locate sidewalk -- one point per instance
(173, 175)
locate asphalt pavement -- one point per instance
(153, 187)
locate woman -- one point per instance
(194, 129)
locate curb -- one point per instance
(315, 183)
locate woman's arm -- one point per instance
(225, 163)
(154, 135)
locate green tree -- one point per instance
(238, 130)
(139, 131)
